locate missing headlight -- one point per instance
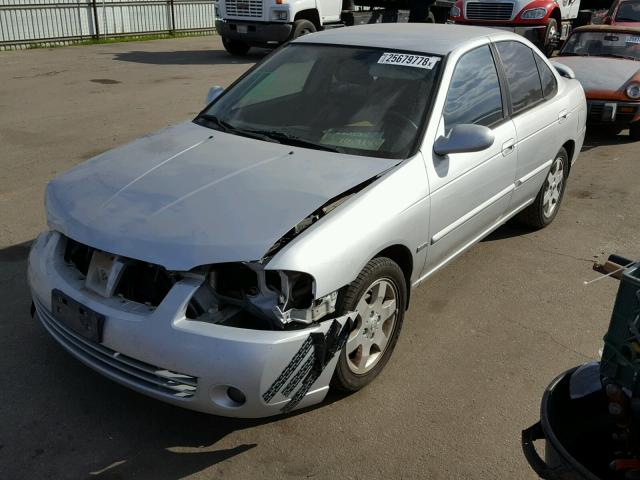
(247, 295)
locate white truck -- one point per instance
(269, 23)
(546, 23)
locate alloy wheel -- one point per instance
(377, 312)
(553, 191)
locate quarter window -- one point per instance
(522, 74)
(474, 93)
(548, 79)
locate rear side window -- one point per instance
(548, 79)
(474, 93)
(522, 74)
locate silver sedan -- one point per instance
(245, 262)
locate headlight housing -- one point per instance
(247, 294)
(455, 11)
(280, 15)
(633, 91)
(534, 14)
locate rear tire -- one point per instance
(302, 27)
(547, 203)
(634, 131)
(235, 47)
(379, 295)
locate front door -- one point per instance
(470, 192)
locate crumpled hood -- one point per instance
(601, 74)
(188, 195)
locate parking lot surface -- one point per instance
(482, 339)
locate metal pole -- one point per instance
(95, 19)
(173, 18)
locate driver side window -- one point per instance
(474, 92)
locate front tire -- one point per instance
(235, 47)
(634, 131)
(379, 296)
(547, 203)
(302, 27)
(551, 37)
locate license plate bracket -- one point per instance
(242, 28)
(75, 316)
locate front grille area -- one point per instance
(140, 282)
(595, 111)
(489, 11)
(177, 385)
(244, 8)
(601, 112)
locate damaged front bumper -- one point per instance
(158, 351)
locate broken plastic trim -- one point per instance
(245, 295)
(316, 215)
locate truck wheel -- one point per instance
(379, 297)
(551, 37)
(235, 47)
(546, 205)
(634, 131)
(302, 27)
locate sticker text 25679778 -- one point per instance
(408, 60)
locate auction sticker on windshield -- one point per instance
(408, 60)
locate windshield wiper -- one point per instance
(295, 141)
(229, 128)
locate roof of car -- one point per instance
(438, 39)
(608, 28)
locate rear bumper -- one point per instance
(602, 112)
(257, 33)
(161, 353)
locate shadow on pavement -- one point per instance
(509, 230)
(190, 57)
(603, 138)
(63, 420)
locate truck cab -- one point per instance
(268, 23)
(544, 22)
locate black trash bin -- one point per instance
(577, 435)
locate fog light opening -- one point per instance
(236, 396)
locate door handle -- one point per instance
(562, 116)
(508, 147)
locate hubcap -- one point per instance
(377, 312)
(553, 190)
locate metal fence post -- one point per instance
(96, 27)
(172, 31)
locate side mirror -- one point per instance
(563, 70)
(464, 139)
(214, 93)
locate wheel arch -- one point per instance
(402, 256)
(310, 14)
(557, 15)
(570, 147)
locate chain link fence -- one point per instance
(29, 22)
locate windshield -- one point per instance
(353, 100)
(603, 44)
(628, 12)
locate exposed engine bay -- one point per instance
(242, 295)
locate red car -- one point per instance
(606, 61)
(624, 13)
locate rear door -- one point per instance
(471, 191)
(537, 113)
